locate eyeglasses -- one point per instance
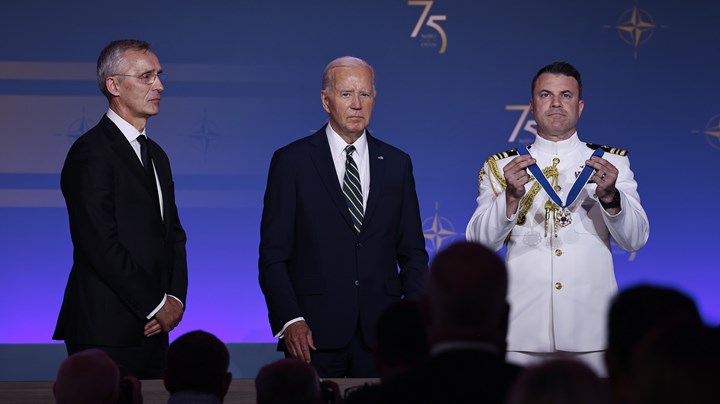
(146, 78)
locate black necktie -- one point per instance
(353, 190)
(147, 163)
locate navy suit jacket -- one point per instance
(125, 255)
(313, 264)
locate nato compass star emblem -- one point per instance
(712, 131)
(205, 134)
(438, 230)
(635, 27)
(76, 128)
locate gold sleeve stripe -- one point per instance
(608, 149)
(494, 170)
(505, 154)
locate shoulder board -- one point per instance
(608, 149)
(505, 154)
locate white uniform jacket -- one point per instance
(560, 286)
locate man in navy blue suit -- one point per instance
(340, 217)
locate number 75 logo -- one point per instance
(429, 21)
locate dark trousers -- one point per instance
(354, 360)
(145, 361)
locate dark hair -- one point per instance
(564, 68)
(402, 339)
(468, 285)
(287, 381)
(197, 361)
(637, 310)
(112, 57)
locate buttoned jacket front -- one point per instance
(562, 280)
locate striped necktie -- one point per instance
(353, 190)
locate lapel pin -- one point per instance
(381, 158)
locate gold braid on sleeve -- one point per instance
(480, 177)
(527, 201)
(493, 167)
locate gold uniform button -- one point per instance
(558, 285)
(556, 161)
(558, 252)
(558, 188)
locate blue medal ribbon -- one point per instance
(577, 186)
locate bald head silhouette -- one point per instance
(287, 381)
(466, 295)
(87, 377)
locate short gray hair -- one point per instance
(112, 57)
(345, 61)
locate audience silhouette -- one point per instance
(465, 312)
(90, 377)
(634, 313)
(402, 341)
(558, 381)
(197, 369)
(293, 381)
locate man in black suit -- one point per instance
(340, 215)
(465, 311)
(128, 283)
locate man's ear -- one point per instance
(111, 84)
(325, 101)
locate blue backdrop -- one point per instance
(453, 81)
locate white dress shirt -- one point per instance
(131, 134)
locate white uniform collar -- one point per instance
(559, 147)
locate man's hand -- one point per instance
(605, 176)
(298, 341)
(169, 315)
(516, 176)
(152, 327)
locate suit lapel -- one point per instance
(121, 147)
(377, 174)
(322, 159)
(162, 169)
(126, 154)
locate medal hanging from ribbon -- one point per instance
(562, 213)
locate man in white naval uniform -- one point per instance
(558, 249)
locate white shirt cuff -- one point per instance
(164, 299)
(282, 332)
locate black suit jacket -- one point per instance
(452, 377)
(125, 255)
(313, 264)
